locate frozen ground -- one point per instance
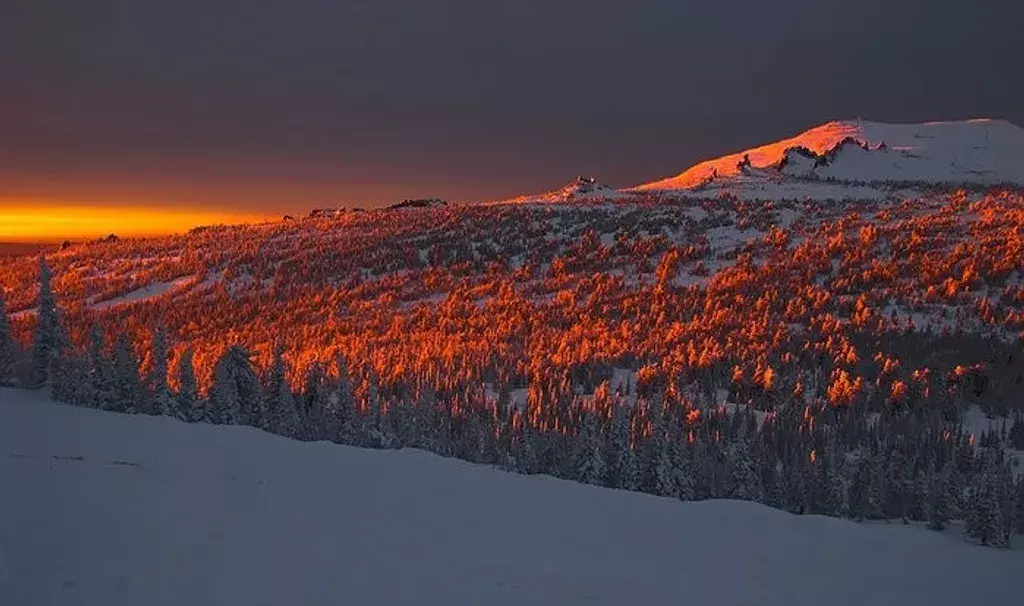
(108, 509)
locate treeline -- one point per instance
(911, 460)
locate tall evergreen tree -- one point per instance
(100, 386)
(235, 394)
(128, 394)
(161, 401)
(47, 336)
(282, 416)
(588, 451)
(6, 345)
(743, 481)
(190, 406)
(984, 520)
(938, 506)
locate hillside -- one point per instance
(851, 155)
(121, 510)
(580, 190)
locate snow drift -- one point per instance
(102, 508)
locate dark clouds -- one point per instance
(288, 104)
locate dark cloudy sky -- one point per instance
(279, 106)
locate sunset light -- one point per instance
(44, 221)
(524, 303)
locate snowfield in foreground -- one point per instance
(102, 508)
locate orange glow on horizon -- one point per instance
(45, 221)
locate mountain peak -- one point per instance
(983, 150)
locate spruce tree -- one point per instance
(100, 386)
(190, 406)
(1020, 506)
(47, 335)
(743, 482)
(282, 416)
(984, 519)
(6, 345)
(235, 393)
(938, 505)
(160, 400)
(588, 451)
(128, 395)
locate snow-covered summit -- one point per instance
(979, 151)
(581, 188)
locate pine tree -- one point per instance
(686, 484)
(282, 415)
(631, 473)
(235, 393)
(128, 396)
(837, 490)
(587, 452)
(47, 336)
(860, 490)
(664, 472)
(938, 505)
(160, 400)
(99, 392)
(1020, 506)
(6, 345)
(190, 407)
(743, 483)
(984, 519)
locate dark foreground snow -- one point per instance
(107, 509)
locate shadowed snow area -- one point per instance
(102, 508)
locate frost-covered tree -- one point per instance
(190, 406)
(984, 518)
(938, 505)
(128, 393)
(161, 401)
(6, 345)
(281, 415)
(743, 481)
(47, 339)
(588, 453)
(100, 387)
(235, 394)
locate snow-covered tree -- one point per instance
(6, 345)
(128, 393)
(235, 393)
(190, 406)
(938, 507)
(161, 401)
(99, 389)
(588, 452)
(984, 518)
(281, 413)
(47, 336)
(743, 481)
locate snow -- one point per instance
(842, 160)
(112, 509)
(146, 292)
(974, 151)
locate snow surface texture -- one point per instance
(101, 508)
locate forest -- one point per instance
(821, 357)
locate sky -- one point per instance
(250, 108)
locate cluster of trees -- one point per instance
(865, 315)
(911, 459)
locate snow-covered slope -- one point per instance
(579, 190)
(100, 508)
(840, 153)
